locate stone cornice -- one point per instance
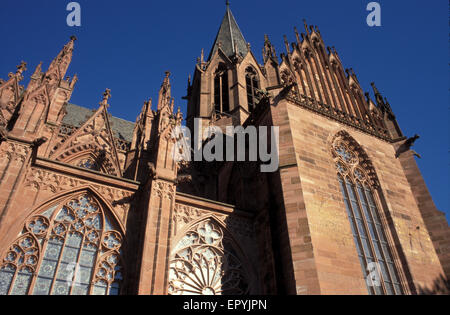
(86, 174)
(337, 115)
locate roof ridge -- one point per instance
(93, 109)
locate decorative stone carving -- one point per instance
(15, 151)
(205, 262)
(93, 138)
(164, 189)
(56, 183)
(351, 159)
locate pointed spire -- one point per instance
(149, 105)
(166, 82)
(378, 96)
(388, 106)
(61, 63)
(179, 114)
(74, 81)
(286, 44)
(306, 26)
(297, 35)
(268, 50)
(146, 111)
(229, 37)
(165, 92)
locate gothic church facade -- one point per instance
(93, 204)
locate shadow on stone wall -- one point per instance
(441, 286)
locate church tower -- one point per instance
(225, 87)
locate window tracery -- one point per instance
(221, 90)
(70, 249)
(205, 262)
(359, 187)
(252, 82)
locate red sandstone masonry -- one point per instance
(298, 248)
(434, 219)
(327, 220)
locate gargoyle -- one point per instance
(405, 147)
(262, 94)
(284, 92)
(38, 142)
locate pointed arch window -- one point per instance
(221, 90)
(252, 82)
(359, 189)
(70, 249)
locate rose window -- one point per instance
(205, 263)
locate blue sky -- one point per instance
(127, 45)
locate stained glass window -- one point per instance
(80, 253)
(373, 250)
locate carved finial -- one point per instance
(227, 3)
(166, 81)
(106, 97)
(73, 38)
(202, 56)
(22, 67)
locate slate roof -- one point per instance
(230, 36)
(77, 116)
